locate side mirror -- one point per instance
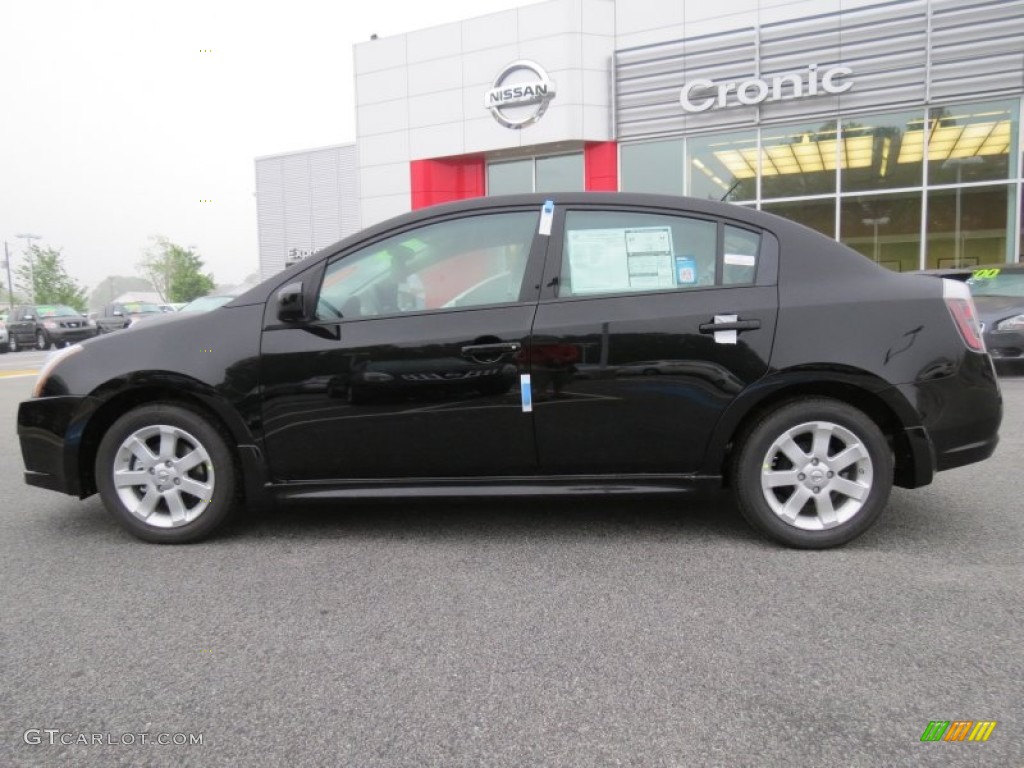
(291, 304)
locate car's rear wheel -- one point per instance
(12, 343)
(814, 474)
(42, 340)
(166, 474)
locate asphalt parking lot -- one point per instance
(624, 632)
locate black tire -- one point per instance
(5, 348)
(43, 342)
(12, 343)
(178, 432)
(836, 488)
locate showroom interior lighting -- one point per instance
(991, 137)
(807, 155)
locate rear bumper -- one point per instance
(49, 437)
(960, 414)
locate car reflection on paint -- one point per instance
(428, 380)
(711, 373)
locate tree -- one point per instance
(175, 272)
(43, 277)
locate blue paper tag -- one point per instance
(686, 270)
(526, 392)
(547, 213)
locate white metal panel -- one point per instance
(435, 109)
(437, 141)
(305, 201)
(385, 85)
(382, 53)
(599, 17)
(385, 117)
(553, 18)
(435, 42)
(441, 74)
(492, 31)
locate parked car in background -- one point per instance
(206, 303)
(41, 326)
(790, 368)
(118, 315)
(3, 335)
(998, 292)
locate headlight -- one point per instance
(51, 324)
(52, 361)
(1015, 323)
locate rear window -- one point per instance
(609, 252)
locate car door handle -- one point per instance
(735, 325)
(492, 349)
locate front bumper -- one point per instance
(71, 335)
(1005, 345)
(50, 432)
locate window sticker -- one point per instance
(740, 260)
(547, 213)
(621, 259)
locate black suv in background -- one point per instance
(44, 325)
(121, 314)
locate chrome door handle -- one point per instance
(736, 325)
(499, 349)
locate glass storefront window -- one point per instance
(799, 160)
(723, 167)
(875, 156)
(655, 166)
(510, 178)
(885, 228)
(560, 173)
(969, 226)
(971, 143)
(816, 214)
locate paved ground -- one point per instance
(626, 632)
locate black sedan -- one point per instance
(998, 293)
(490, 347)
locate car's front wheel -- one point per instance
(12, 343)
(166, 474)
(814, 474)
(42, 340)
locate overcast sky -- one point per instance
(114, 124)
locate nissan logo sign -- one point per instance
(520, 94)
(701, 95)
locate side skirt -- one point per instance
(575, 485)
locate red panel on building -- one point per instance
(601, 163)
(446, 179)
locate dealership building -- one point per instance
(893, 127)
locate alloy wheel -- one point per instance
(816, 475)
(163, 476)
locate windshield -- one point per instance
(206, 303)
(140, 307)
(50, 310)
(996, 282)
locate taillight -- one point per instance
(961, 307)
